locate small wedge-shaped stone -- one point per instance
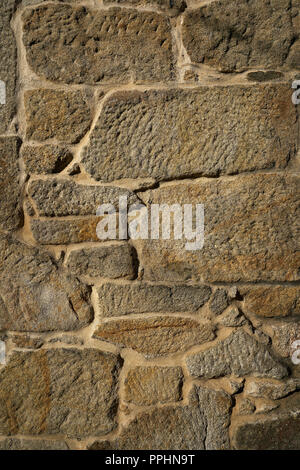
(169, 134)
(45, 158)
(36, 294)
(59, 391)
(155, 336)
(203, 424)
(233, 35)
(59, 197)
(123, 299)
(80, 45)
(239, 354)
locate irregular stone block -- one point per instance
(219, 301)
(57, 114)
(92, 46)
(250, 231)
(155, 336)
(65, 231)
(171, 8)
(152, 385)
(268, 389)
(239, 354)
(167, 134)
(8, 65)
(203, 424)
(10, 189)
(45, 158)
(269, 433)
(36, 295)
(113, 261)
(234, 36)
(123, 299)
(61, 197)
(32, 444)
(59, 391)
(272, 301)
(283, 336)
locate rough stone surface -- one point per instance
(90, 46)
(153, 384)
(62, 232)
(283, 336)
(203, 424)
(239, 354)
(61, 197)
(112, 261)
(269, 433)
(8, 63)
(116, 300)
(204, 131)
(155, 336)
(277, 301)
(237, 35)
(251, 231)
(219, 301)
(171, 8)
(59, 391)
(30, 444)
(10, 189)
(45, 158)
(25, 341)
(35, 294)
(268, 389)
(57, 114)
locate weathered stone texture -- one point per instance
(36, 295)
(155, 336)
(153, 384)
(116, 300)
(283, 336)
(171, 8)
(219, 301)
(10, 189)
(64, 231)
(90, 46)
(8, 63)
(57, 114)
(205, 131)
(32, 444)
(251, 231)
(59, 391)
(203, 424)
(239, 354)
(277, 301)
(61, 197)
(45, 159)
(237, 35)
(111, 261)
(269, 433)
(267, 389)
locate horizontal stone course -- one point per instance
(169, 134)
(92, 46)
(155, 336)
(250, 231)
(123, 299)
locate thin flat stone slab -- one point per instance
(168, 134)
(92, 46)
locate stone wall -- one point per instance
(140, 344)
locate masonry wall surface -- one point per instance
(141, 344)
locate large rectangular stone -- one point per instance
(59, 391)
(65, 231)
(234, 35)
(123, 299)
(80, 45)
(251, 231)
(167, 134)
